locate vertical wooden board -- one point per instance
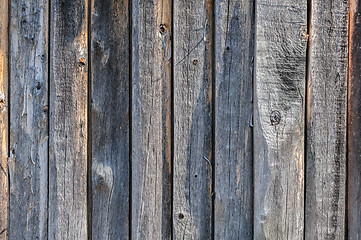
(234, 29)
(68, 120)
(354, 123)
(192, 181)
(28, 162)
(326, 121)
(4, 184)
(151, 119)
(110, 119)
(280, 76)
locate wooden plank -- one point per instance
(68, 120)
(280, 74)
(354, 123)
(28, 162)
(4, 183)
(151, 119)
(192, 181)
(110, 119)
(326, 121)
(234, 31)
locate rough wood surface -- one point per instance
(354, 123)
(68, 120)
(28, 162)
(4, 184)
(280, 75)
(192, 181)
(233, 119)
(151, 119)
(110, 119)
(326, 121)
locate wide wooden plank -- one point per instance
(326, 121)
(354, 123)
(68, 119)
(28, 162)
(151, 119)
(4, 184)
(280, 75)
(192, 181)
(234, 42)
(110, 119)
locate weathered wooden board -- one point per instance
(151, 119)
(280, 76)
(110, 119)
(326, 121)
(28, 162)
(68, 119)
(193, 160)
(234, 29)
(4, 114)
(354, 123)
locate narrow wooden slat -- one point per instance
(4, 184)
(110, 119)
(326, 121)
(192, 181)
(280, 75)
(68, 120)
(233, 119)
(354, 123)
(151, 119)
(28, 162)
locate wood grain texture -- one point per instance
(68, 120)
(192, 181)
(354, 123)
(110, 119)
(4, 115)
(326, 121)
(28, 162)
(151, 119)
(280, 75)
(234, 29)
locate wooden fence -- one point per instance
(180, 119)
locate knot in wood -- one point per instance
(162, 29)
(275, 117)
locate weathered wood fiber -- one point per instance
(354, 123)
(233, 119)
(28, 162)
(326, 121)
(151, 119)
(110, 119)
(4, 104)
(192, 181)
(68, 119)
(280, 75)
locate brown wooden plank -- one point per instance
(280, 76)
(151, 119)
(110, 119)
(68, 120)
(354, 123)
(234, 28)
(4, 184)
(192, 181)
(326, 121)
(28, 162)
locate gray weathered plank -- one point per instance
(110, 119)
(151, 119)
(234, 29)
(68, 120)
(4, 184)
(326, 121)
(28, 162)
(192, 181)
(280, 76)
